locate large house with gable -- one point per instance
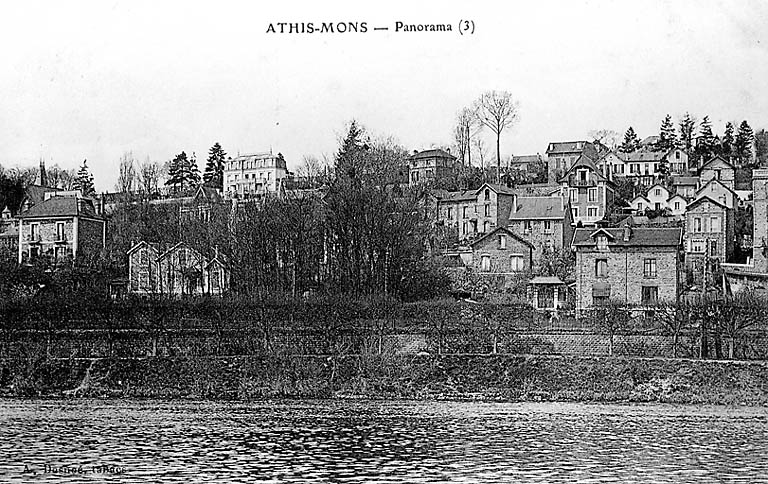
(561, 155)
(545, 222)
(590, 194)
(472, 213)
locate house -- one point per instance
(179, 270)
(561, 155)
(649, 143)
(644, 167)
(685, 186)
(502, 251)
(718, 168)
(254, 175)
(709, 236)
(677, 205)
(62, 227)
(526, 163)
(430, 165)
(611, 165)
(545, 222)
(628, 265)
(475, 212)
(640, 204)
(716, 190)
(201, 204)
(590, 194)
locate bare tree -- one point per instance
(466, 128)
(311, 169)
(607, 137)
(149, 176)
(60, 178)
(126, 178)
(496, 110)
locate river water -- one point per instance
(364, 441)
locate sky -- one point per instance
(94, 80)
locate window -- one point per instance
(677, 155)
(182, 258)
(59, 231)
(696, 224)
(34, 231)
(450, 213)
(600, 300)
(550, 245)
(547, 226)
(464, 228)
(697, 246)
(602, 243)
(464, 212)
(527, 226)
(486, 226)
(516, 263)
(621, 169)
(485, 263)
(592, 192)
(487, 210)
(487, 194)
(649, 268)
(34, 252)
(575, 212)
(714, 224)
(144, 257)
(650, 295)
(592, 212)
(601, 268)
(713, 248)
(657, 206)
(657, 192)
(677, 205)
(574, 194)
(502, 241)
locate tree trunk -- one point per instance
(703, 348)
(498, 157)
(610, 345)
(675, 338)
(731, 347)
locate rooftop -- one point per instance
(435, 153)
(566, 147)
(61, 207)
(537, 208)
(639, 237)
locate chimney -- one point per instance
(43, 175)
(627, 232)
(514, 203)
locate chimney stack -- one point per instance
(627, 232)
(514, 203)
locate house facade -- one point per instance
(590, 195)
(635, 266)
(502, 251)
(709, 235)
(430, 165)
(716, 190)
(472, 213)
(179, 270)
(62, 227)
(561, 155)
(545, 222)
(254, 175)
(718, 168)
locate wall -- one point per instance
(90, 239)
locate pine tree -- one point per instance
(687, 128)
(667, 137)
(214, 166)
(726, 146)
(631, 142)
(183, 172)
(193, 175)
(745, 138)
(350, 156)
(705, 142)
(84, 181)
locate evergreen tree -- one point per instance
(667, 137)
(745, 138)
(631, 142)
(687, 128)
(726, 146)
(84, 181)
(705, 143)
(214, 166)
(183, 172)
(193, 176)
(351, 153)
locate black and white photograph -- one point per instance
(390, 242)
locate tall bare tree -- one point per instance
(496, 110)
(606, 137)
(126, 178)
(466, 128)
(149, 176)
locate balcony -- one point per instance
(576, 181)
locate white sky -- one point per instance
(93, 80)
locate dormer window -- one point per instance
(602, 243)
(502, 241)
(487, 194)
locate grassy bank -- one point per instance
(492, 377)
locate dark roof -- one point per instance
(684, 180)
(537, 208)
(505, 230)
(463, 195)
(525, 159)
(584, 162)
(566, 146)
(636, 156)
(640, 237)
(715, 180)
(209, 193)
(35, 194)
(436, 153)
(62, 207)
(143, 243)
(650, 140)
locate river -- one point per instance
(372, 441)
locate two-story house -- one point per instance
(685, 186)
(545, 222)
(474, 212)
(709, 235)
(658, 198)
(502, 251)
(590, 194)
(561, 155)
(718, 168)
(179, 270)
(716, 190)
(430, 165)
(611, 165)
(61, 228)
(634, 266)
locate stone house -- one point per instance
(545, 222)
(611, 165)
(709, 235)
(590, 194)
(62, 227)
(472, 213)
(561, 155)
(685, 186)
(635, 266)
(254, 175)
(179, 270)
(502, 251)
(718, 168)
(717, 190)
(430, 165)
(658, 198)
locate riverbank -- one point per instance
(428, 377)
